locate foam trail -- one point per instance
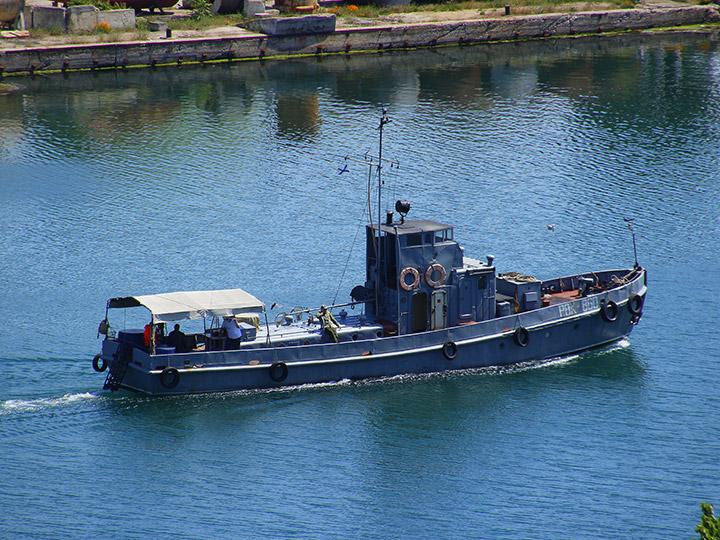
(15, 406)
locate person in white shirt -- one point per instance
(234, 333)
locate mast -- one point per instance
(384, 120)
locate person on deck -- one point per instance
(159, 334)
(234, 333)
(327, 320)
(177, 339)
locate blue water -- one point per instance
(140, 181)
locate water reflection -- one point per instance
(648, 79)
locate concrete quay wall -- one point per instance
(349, 40)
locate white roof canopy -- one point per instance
(179, 306)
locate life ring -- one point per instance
(97, 366)
(278, 371)
(450, 350)
(609, 311)
(435, 267)
(170, 377)
(521, 337)
(635, 305)
(416, 279)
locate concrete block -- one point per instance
(47, 17)
(294, 26)
(157, 26)
(81, 18)
(253, 8)
(118, 19)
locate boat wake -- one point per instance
(15, 406)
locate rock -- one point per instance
(253, 8)
(157, 26)
(294, 26)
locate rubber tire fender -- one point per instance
(635, 305)
(278, 371)
(609, 311)
(170, 377)
(521, 336)
(450, 349)
(97, 366)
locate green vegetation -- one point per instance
(201, 8)
(709, 527)
(102, 5)
(205, 21)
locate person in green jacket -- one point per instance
(327, 320)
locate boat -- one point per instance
(424, 307)
(10, 10)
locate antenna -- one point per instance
(629, 222)
(384, 120)
(374, 163)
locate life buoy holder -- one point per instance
(416, 279)
(635, 305)
(521, 336)
(450, 350)
(97, 365)
(278, 371)
(170, 377)
(609, 311)
(440, 269)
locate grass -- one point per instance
(206, 21)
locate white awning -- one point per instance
(178, 306)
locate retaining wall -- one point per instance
(379, 38)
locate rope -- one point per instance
(517, 276)
(347, 263)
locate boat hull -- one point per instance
(552, 331)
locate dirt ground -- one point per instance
(22, 40)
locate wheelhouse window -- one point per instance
(413, 239)
(443, 235)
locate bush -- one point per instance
(709, 527)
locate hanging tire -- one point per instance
(278, 371)
(170, 377)
(609, 311)
(99, 364)
(635, 305)
(450, 350)
(521, 337)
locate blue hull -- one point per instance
(547, 332)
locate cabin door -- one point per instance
(419, 312)
(439, 310)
